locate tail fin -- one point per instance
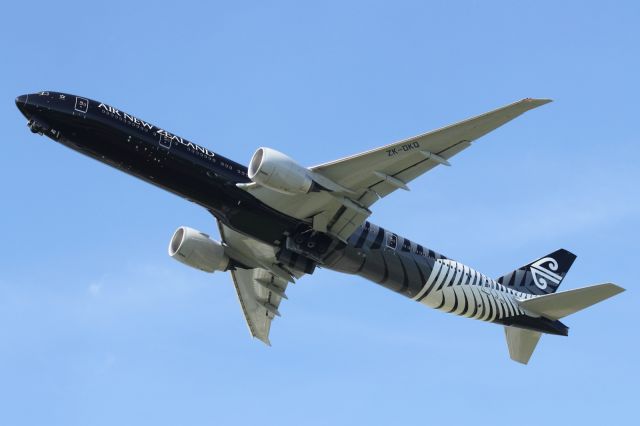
(559, 305)
(521, 343)
(542, 276)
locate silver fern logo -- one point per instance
(544, 275)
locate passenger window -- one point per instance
(392, 241)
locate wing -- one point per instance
(259, 293)
(374, 174)
(261, 286)
(408, 159)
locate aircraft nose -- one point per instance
(21, 103)
(22, 100)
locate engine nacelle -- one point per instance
(197, 250)
(274, 170)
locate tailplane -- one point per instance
(542, 276)
(521, 343)
(559, 305)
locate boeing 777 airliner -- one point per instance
(278, 220)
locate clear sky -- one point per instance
(98, 326)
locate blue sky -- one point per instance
(100, 327)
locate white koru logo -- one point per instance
(544, 275)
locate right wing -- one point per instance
(259, 293)
(261, 285)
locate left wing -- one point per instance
(261, 286)
(360, 180)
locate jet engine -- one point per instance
(274, 170)
(196, 249)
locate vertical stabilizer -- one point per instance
(542, 276)
(521, 343)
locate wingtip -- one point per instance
(520, 361)
(617, 288)
(536, 102)
(264, 340)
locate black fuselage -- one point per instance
(209, 179)
(156, 156)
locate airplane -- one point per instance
(279, 220)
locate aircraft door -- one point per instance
(164, 141)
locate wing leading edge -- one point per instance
(374, 174)
(260, 286)
(259, 293)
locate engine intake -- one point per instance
(274, 170)
(196, 249)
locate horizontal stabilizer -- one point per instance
(558, 305)
(521, 343)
